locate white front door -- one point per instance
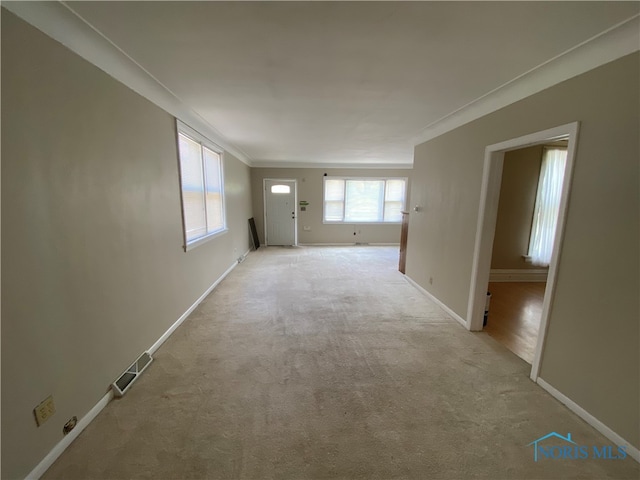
(280, 212)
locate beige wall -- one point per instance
(591, 353)
(515, 211)
(93, 269)
(310, 189)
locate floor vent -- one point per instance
(122, 384)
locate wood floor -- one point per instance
(514, 316)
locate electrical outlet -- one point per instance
(430, 280)
(306, 229)
(45, 410)
(70, 425)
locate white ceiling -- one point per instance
(340, 82)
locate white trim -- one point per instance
(295, 207)
(607, 46)
(59, 21)
(518, 275)
(353, 224)
(62, 445)
(198, 137)
(436, 301)
(204, 143)
(184, 316)
(382, 201)
(485, 232)
(590, 419)
(196, 242)
(487, 216)
(328, 166)
(552, 279)
(352, 244)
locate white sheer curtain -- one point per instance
(545, 214)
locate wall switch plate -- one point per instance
(45, 410)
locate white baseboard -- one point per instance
(632, 451)
(326, 244)
(243, 257)
(184, 316)
(352, 244)
(519, 275)
(62, 445)
(437, 302)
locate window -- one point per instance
(280, 189)
(547, 207)
(364, 200)
(202, 187)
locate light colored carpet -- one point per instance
(323, 362)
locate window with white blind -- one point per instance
(364, 200)
(547, 206)
(202, 187)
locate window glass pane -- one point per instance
(192, 187)
(393, 211)
(334, 189)
(394, 200)
(395, 190)
(547, 206)
(280, 189)
(364, 201)
(333, 211)
(213, 180)
(333, 200)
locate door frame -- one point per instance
(487, 216)
(295, 206)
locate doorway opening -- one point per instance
(486, 234)
(280, 211)
(529, 196)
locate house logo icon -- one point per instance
(564, 448)
(549, 435)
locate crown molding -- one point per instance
(368, 166)
(616, 42)
(58, 21)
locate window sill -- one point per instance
(202, 240)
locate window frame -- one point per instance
(204, 142)
(358, 178)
